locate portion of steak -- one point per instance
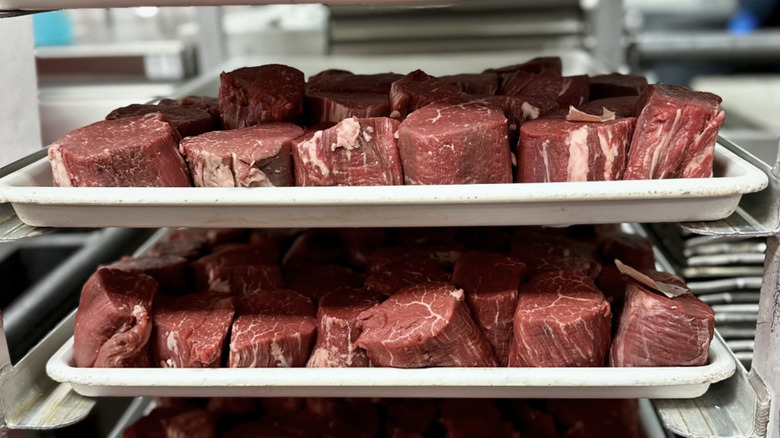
(190, 331)
(534, 65)
(518, 110)
(655, 330)
(188, 120)
(561, 320)
(317, 280)
(595, 418)
(616, 84)
(418, 89)
(491, 282)
(355, 152)
(566, 90)
(255, 156)
(132, 152)
(424, 325)
(267, 93)
(273, 328)
(337, 328)
(206, 103)
(622, 106)
(403, 272)
(473, 83)
(113, 320)
(632, 249)
(173, 422)
(238, 269)
(342, 81)
(332, 107)
(557, 150)
(169, 271)
(675, 134)
(455, 144)
(541, 258)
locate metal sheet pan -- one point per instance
(601, 382)
(38, 203)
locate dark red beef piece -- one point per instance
(535, 65)
(469, 407)
(113, 320)
(418, 89)
(631, 249)
(319, 246)
(140, 151)
(533, 421)
(254, 156)
(404, 272)
(575, 90)
(355, 152)
(616, 84)
(455, 144)
(541, 258)
(426, 235)
(473, 83)
(393, 431)
(231, 409)
(333, 107)
(257, 429)
(337, 328)
(557, 150)
(592, 418)
(188, 249)
(411, 414)
(206, 103)
(675, 134)
(238, 269)
(316, 280)
(187, 120)
(490, 239)
(173, 422)
(566, 90)
(211, 236)
(561, 320)
(424, 325)
(655, 330)
(612, 284)
(267, 93)
(475, 427)
(360, 242)
(190, 331)
(444, 253)
(514, 82)
(518, 110)
(169, 271)
(355, 419)
(341, 81)
(490, 282)
(272, 329)
(622, 106)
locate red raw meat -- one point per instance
(622, 106)
(317, 280)
(473, 83)
(616, 84)
(188, 120)
(418, 89)
(333, 107)
(238, 269)
(403, 272)
(342, 81)
(169, 271)
(267, 93)
(173, 422)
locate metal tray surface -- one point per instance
(601, 382)
(38, 203)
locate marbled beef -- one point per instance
(557, 150)
(418, 89)
(406, 271)
(622, 106)
(675, 134)
(169, 271)
(113, 320)
(355, 152)
(455, 144)
(337, 328)
(333, 107)
(238, 269)
(188, 120)
(317, 280)
(473, 83)
(424, 325)
(190, 331)
(272, 329)
(137, 151)
(342, 81)
(268, 93)
(561, 320)
(255, 156)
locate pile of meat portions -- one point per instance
(387, 297)
(524, 123)
(388, 418)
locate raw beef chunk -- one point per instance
(403, 272)
(655, 330)
(455, 144)
(341, 81)
(474, 418)
(317, 280)
(588, 418)
(561, 320)
(477, 83)
(355, 152)
(169, 271)
(187, 120)
(418, 89)
(541, 258)
(675, 134)
(557, 150)
(272, 329)
(206, 103)
(443, 253)
(255, 156)
(189, 249)
(337, 328)
(238, 269)
(518, 110)
(490, 282)
(257, 429)
(535, 65)
(421, 326)
(173, 422)
(616, 84)
(622, 106)
(268, 93)
(330, 107)
(566, 90)
(632, 249)
(408, 416)
(113, 320)
(136, 151)
(190, 331)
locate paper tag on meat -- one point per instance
(576, 115)
(668, 289)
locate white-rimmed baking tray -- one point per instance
(37, 203)
(602, 382)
